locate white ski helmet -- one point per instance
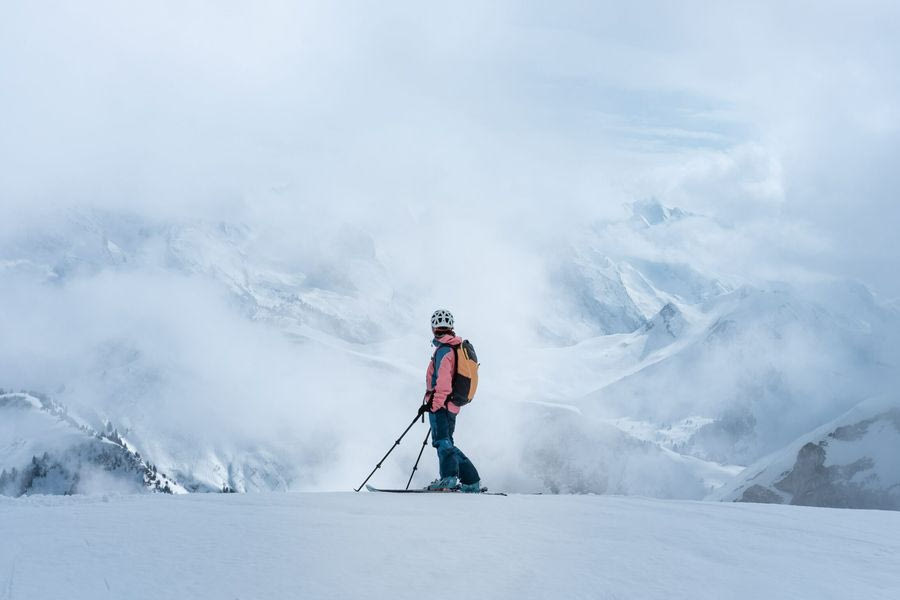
(442, 319)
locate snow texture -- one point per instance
(346, 545)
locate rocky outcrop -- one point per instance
(665, 328)
(850, 463)
(811, 483)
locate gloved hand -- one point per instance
(425, 408)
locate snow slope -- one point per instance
(45, 450)
(345, 545)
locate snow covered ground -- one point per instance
(346, 545)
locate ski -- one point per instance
(483, 491)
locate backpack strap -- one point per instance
(455, 348)
(455, 356)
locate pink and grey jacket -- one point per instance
(439, 376)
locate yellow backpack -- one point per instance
(465, 374)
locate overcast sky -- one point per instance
(785, 116)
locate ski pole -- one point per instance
(396, 443)
(416, 466)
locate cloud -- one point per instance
(192, 107)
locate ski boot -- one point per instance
(447, 484)
(470, 488)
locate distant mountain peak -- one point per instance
(651, 211)
(664, 328)
(669, 318)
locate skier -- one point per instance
(456, 470)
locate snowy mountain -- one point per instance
(563, 452)
(245, 357)
(650, 211)
(851, 462)
(339, 288)
(599, 288)
(750, 367)
(47, 451)
(136, 294)
(749, 359)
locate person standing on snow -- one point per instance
(456, 470)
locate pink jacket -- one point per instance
(441, 383)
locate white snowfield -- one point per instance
(371, 545)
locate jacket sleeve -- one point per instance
(440, 378)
